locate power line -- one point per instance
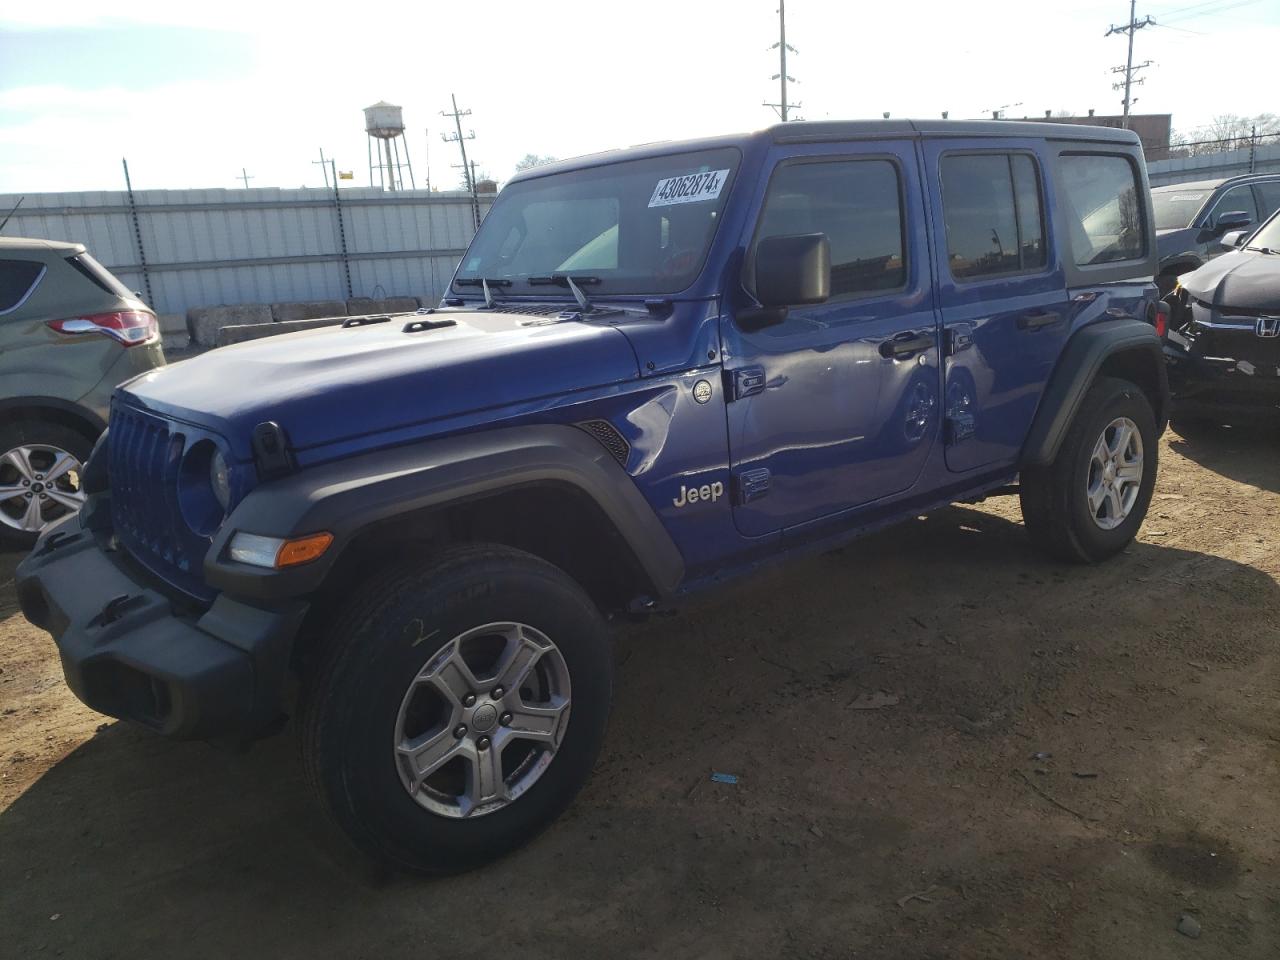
(783, 108)
(461, 141)
(1132, 27)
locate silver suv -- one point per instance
(69, 332)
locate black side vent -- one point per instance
(609, 437)
(531, 309)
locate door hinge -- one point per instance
(959, 338)
(753, 484)
(744, 382)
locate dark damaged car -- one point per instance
(1223, 347)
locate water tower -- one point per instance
(385, 126)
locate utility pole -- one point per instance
(427, 156)
(1253, 147)
(324, 165)
(462, 145)
(1132, 27)
(246, 177)
(783, 108)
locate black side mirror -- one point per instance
(793, 270)
(1231, 220)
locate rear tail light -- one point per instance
(1163, 310)
(130, 327)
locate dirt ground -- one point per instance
(947, 747)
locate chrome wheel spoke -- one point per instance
(431, 753)
(20, 459)
(1097, 495)
(8, 492)
(449, 674)
(541, 723)
(518, 659)
(72, 500)
(484, 779)
(1130, 472)
(33, 518)
(63, 463)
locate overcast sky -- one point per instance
(191, 93)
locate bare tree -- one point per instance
(530, 160)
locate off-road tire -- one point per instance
(45, 432)
(350, 700)
(1055, 504)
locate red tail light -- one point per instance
(1162, 319)
(130, 327)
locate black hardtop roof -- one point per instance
(808, 131)
(819, 131)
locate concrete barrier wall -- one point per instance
(1232, 163)
(261, 246)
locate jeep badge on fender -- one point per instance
(708, 491)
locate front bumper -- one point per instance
(1220, 384)
(129, 652)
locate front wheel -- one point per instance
(457, 710)
(1088, 504)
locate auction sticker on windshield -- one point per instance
(690, 188)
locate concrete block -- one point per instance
(256, 331)
(360, 306)
(308, 310)
(203, 323)
(173, 323)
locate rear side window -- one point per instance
(17, 280)
(99, 275)
(993, 214)
(857, 204)
(1102, 208)
(1269, 190)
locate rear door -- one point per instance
(1001, 293)
(837, 405)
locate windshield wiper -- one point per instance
(565, 280)
(484, 283)
(1263, 250)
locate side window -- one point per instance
(993, 215)
(1102, 209)
(17, 278)
(1237, 198)
(1270, 193)
(857, 204)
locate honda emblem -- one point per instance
(1267, 327)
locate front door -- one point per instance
(837, 405)
(1001, 292)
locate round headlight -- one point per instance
(220, 480)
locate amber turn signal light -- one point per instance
(303, 549)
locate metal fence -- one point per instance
(194, 248)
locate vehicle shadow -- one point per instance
(1246, 453)
(135, 846)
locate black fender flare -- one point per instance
(346, 496)
(1078, 366)
(55, 405)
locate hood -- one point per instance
(1242, 279)
(1176, 240)
(334, 383)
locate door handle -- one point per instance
(1034, 321)
(904, 344)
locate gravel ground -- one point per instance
(946, 747)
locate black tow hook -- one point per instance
(115, 608)
(53, 542)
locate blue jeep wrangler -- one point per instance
(654, 370)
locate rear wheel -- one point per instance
(41, 464)
(457, 710)
(1089, 503)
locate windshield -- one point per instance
(635, 227)
(1175, 209)
(1268, 236)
